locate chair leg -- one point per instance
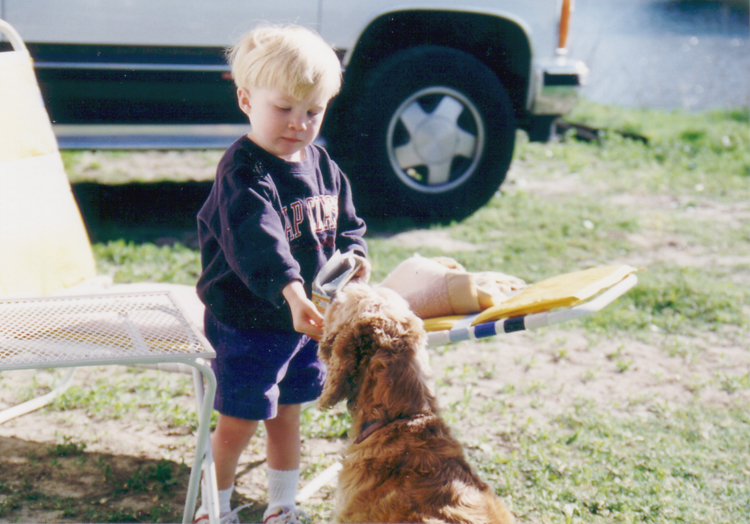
(39, 402)
(203, 456)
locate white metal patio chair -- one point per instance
(54, 311)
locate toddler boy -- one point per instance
(278, 210)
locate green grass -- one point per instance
(333, 423)
(131, 262)
(682, 151)
(682, 465)
(677, 300)
(127, 394)
(527, 235)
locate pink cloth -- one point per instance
(436, 287)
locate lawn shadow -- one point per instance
(47, 482)
(164, 213)
(160, 212)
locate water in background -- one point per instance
(666, 54)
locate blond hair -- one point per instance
(291, 58)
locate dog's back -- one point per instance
(414, 471)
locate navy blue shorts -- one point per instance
(258, 370)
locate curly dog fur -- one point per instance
(404, 466)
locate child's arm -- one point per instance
(305, 316)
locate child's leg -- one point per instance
(283, 444)
(302, 383)
(283, 455)
(230, 438)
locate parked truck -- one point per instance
(434, 90)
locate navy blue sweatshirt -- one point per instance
(266, 223)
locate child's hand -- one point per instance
(305, 316)
(363, 275)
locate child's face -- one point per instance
(281, 124)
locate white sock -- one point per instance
(282, 489)
(225, 496)
(225, 506)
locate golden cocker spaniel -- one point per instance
(403, 464)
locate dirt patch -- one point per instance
(542, 374)
(68, 484)
(75, 466)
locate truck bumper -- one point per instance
(555, 86)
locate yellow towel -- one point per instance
(564, 290)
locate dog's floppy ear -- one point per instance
(347, 354)
(338, 351)
(336, 386)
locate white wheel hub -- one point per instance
(435, 140)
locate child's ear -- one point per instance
(243, 98)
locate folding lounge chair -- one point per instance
(551, 301)
(558, 299)
(54, 311)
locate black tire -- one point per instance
(436, 135)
